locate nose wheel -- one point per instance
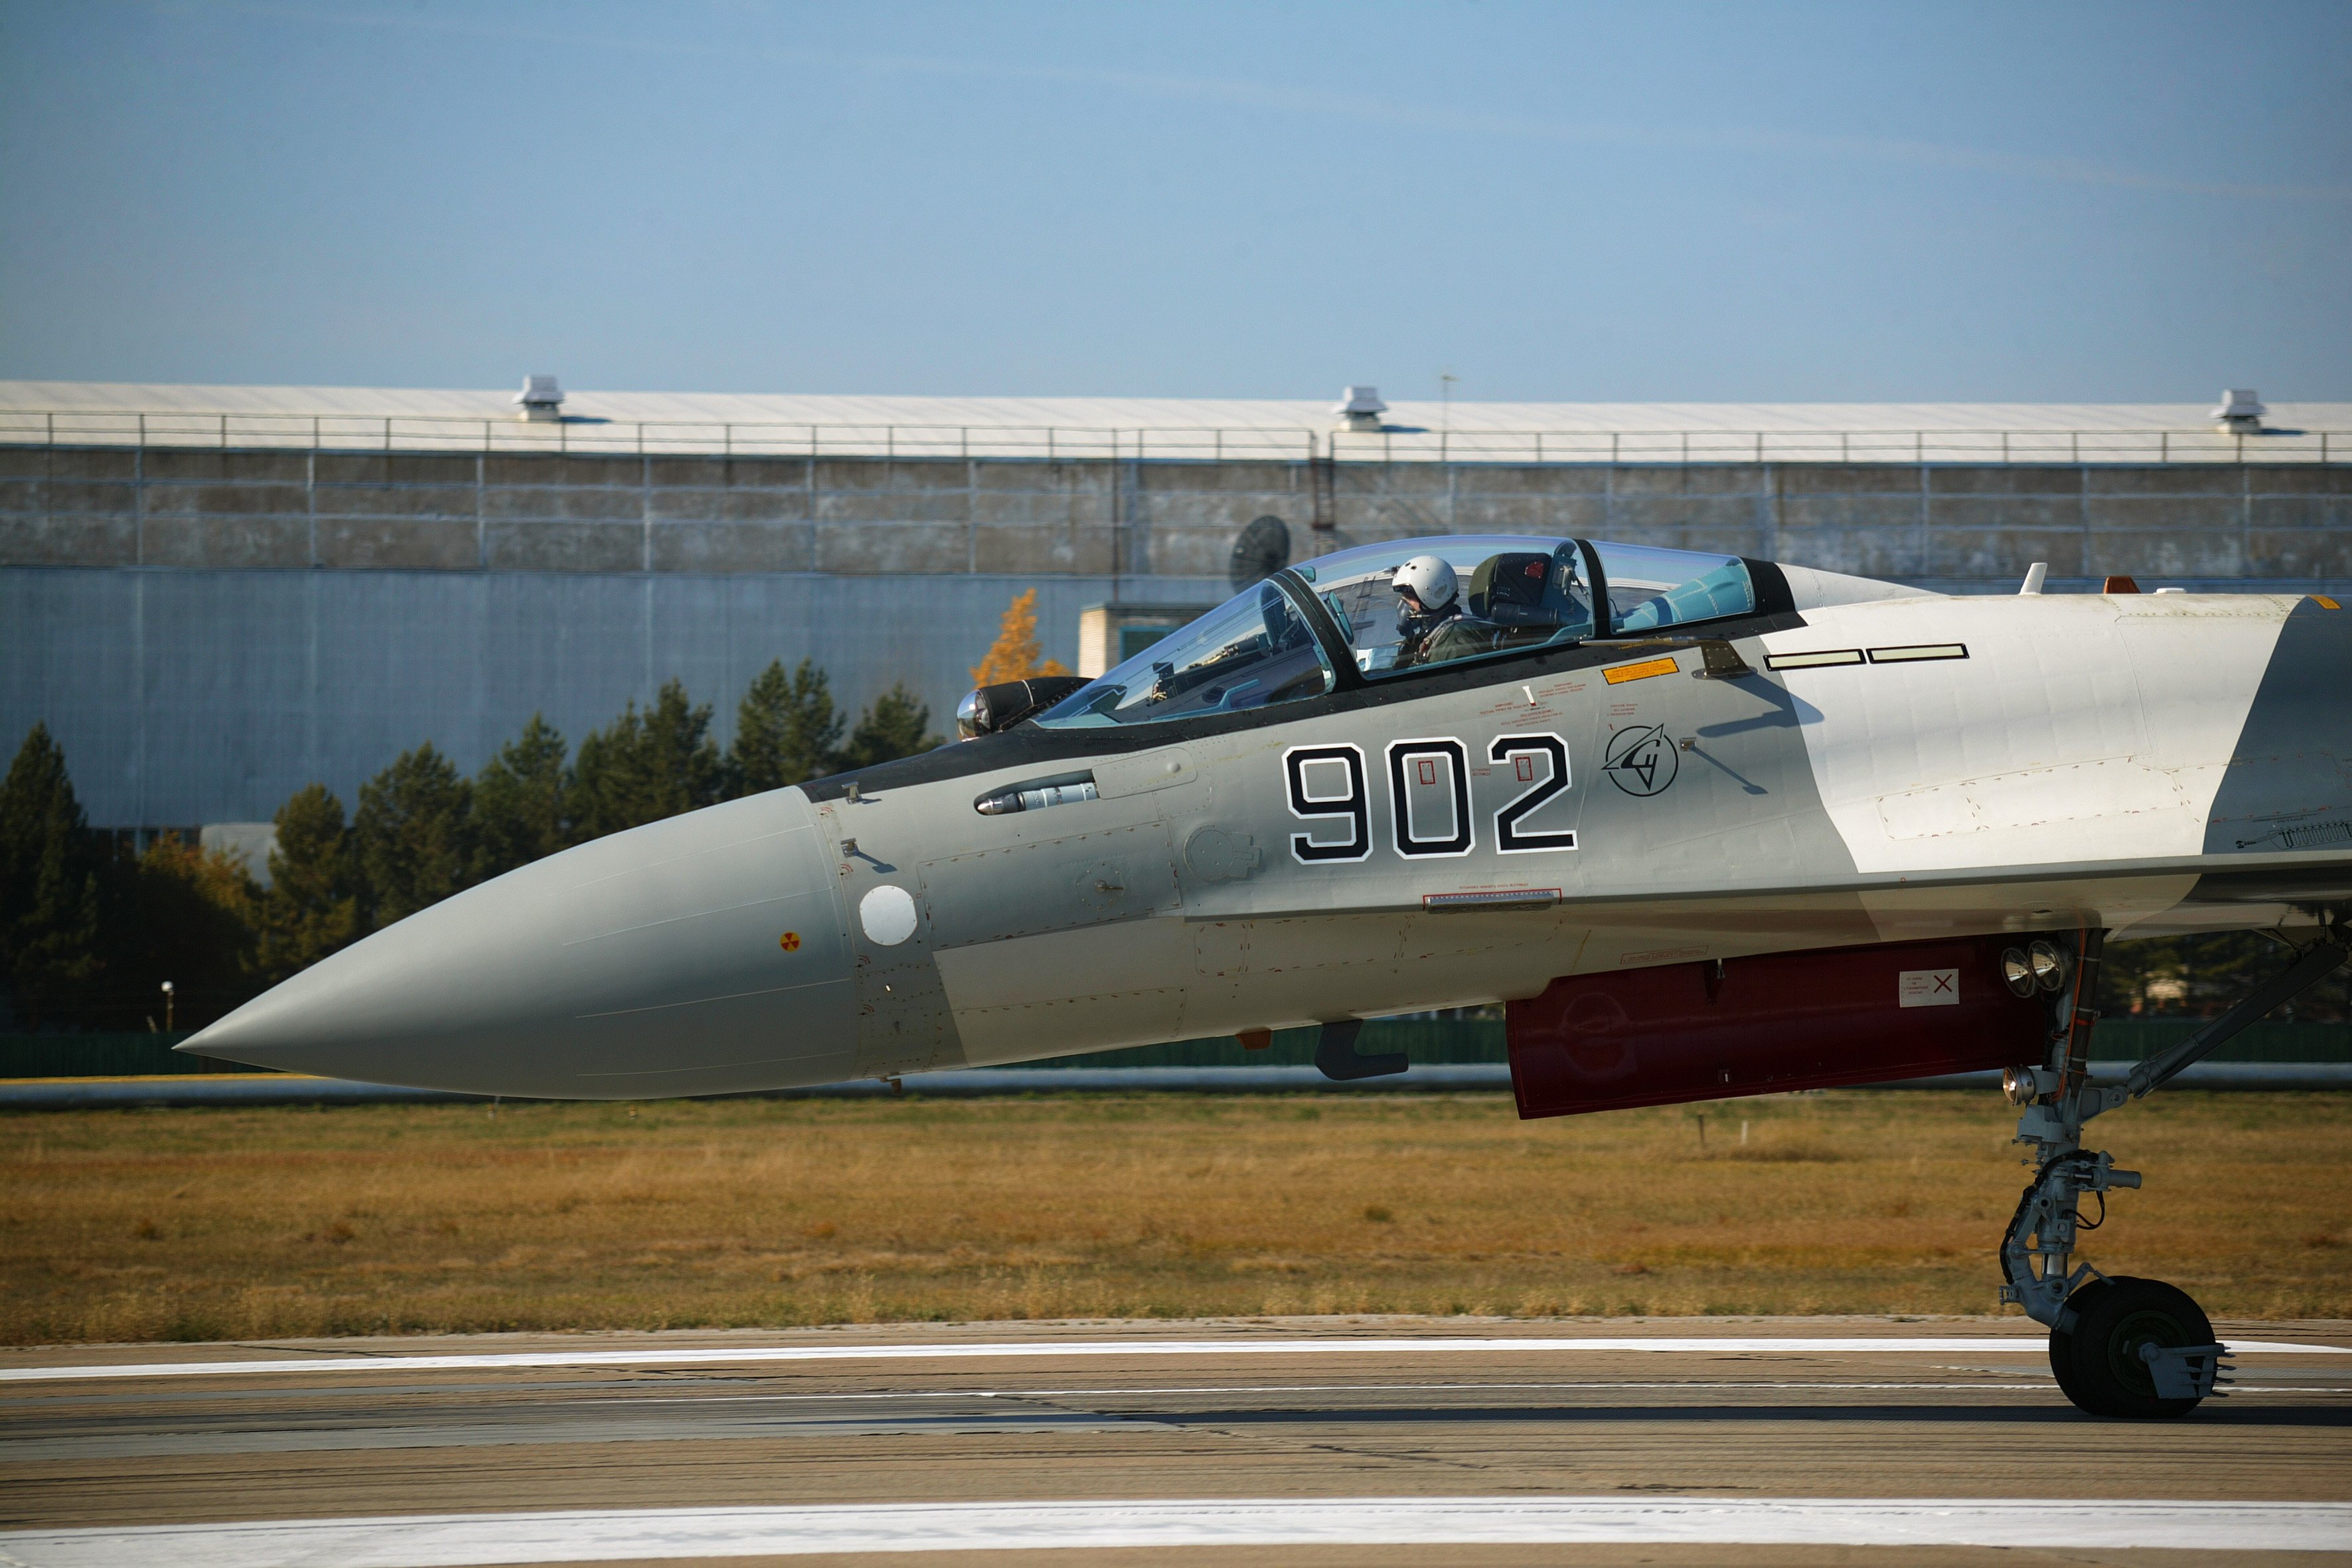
(2138, 1349)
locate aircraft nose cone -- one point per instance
(704, 954)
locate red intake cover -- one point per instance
(1777, 1022)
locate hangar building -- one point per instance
(216, 594)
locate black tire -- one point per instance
(2061, 1343)
(2108, 1377)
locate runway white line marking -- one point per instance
(1142, 1390)
(467, 1541)
(2016, 1345)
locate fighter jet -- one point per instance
(1706, 825)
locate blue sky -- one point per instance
(1773, 202)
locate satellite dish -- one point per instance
(1259, 552)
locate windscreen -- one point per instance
(1253, 650)
(1649, 588)
(1494, 593)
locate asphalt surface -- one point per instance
(95, 1441)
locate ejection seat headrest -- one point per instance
(1512, 588)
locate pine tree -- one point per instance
(413, 836)
(1015, 654)
(896, 725)
(786, 731)
(195, 920)
(51, 906)
(313, 907)
(521, 808)
(2202, 975)
(646, 767)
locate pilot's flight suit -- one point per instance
(1416, 627)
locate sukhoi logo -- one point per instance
(1641, 761)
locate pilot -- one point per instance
(1429, 597)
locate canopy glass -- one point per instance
(1512, 592)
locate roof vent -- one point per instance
(541, 398)
(2241, 413)
(1359, 408)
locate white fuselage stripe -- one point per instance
(2078, 728)
(2018, 1344)
(461, 1541)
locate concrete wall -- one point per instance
(208, 631)
(195, 509)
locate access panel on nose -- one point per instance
(1043, 885)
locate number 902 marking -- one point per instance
(1429, 796)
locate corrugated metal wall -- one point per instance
(186, 697)
(208, 630)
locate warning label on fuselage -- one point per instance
(1927, 989)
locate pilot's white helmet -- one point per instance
(1429, 579)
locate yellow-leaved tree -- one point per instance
(1014, 655)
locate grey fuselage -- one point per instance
(2141, 763)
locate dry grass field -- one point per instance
(242, 1224)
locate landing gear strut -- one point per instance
(2119, 1346)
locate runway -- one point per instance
(1290, 1441)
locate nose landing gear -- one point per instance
(2118, 1346)
(2121, 1347)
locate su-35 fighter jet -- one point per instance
(1708, 826)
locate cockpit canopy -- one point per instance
(1281, 640)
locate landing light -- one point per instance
(2016, 972)
(2049, 964)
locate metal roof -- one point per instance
(423, 419)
